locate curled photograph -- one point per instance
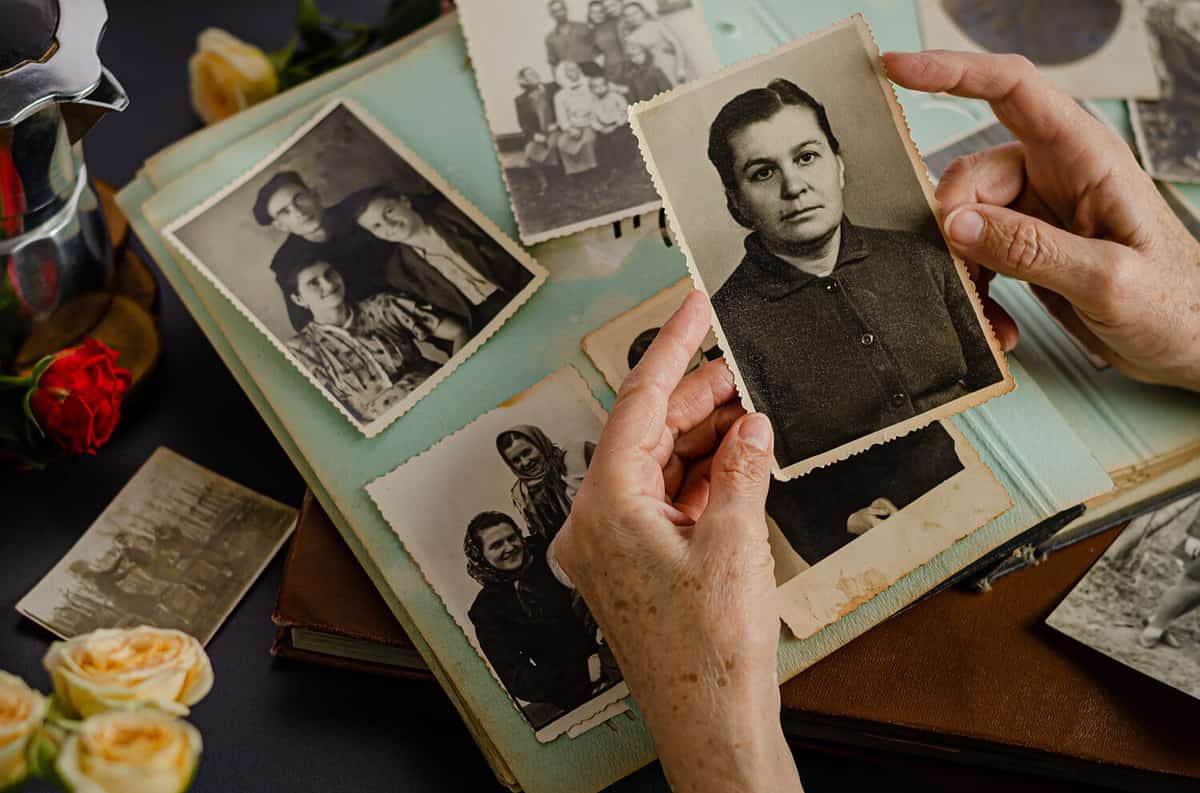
(557, 78)
(484, 551)
(806, 215)
(361, 265)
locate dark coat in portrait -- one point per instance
(531, 632)
(888, 335)
(407, 268)
(812, 510)
(645, 80)
(535, 110)
(571, 41)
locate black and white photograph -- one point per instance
(807, 217)
(177, 548)
(364, 268)
(1168, 131)
(617, 346)
(557, 79)
(1140, 603)
(1092, 49)
(483, 551)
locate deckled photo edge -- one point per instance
(373, 427)
(593, 707)
(1005, 385)
(975, 472)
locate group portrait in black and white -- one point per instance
(558, 78)
(841, 307)
(486, 552)
(372, 278)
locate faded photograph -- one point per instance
(1168, 131)
(1090, 48)
(557, 79)
(177, 548)
(368, 272)
(1139, 603)
(829, 508)
(619, 345)
(484, 551)
(837, 301)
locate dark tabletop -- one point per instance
(268, 725)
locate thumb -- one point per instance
(741, 472)
(1081, 269)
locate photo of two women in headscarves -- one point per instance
(561, 123)
(486, 551)
(360, 263)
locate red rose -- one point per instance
(77, 400)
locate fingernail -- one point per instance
(965, 226)
(755, 430)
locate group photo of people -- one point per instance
(561, 122)
(486, 552)
(372, 284)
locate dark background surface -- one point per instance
(270, 725)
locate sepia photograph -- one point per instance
(1138, 604)
(361, 265)
(557, 79)
(1095, 49)
(806, 215)
(177, 548)
(483, 552)
(1168, 131)
(617, 347)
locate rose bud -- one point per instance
(21, 712)
(137, 751)
(228, 75)
(77, 398)
(120, 669)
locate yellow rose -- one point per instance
(137, 751)
(21, 712)
(228, 75)
(119, 669)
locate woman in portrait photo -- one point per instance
(534, 631)
(365, 354)
(574, 108)
(641, 27)
(548, 476)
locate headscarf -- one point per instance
(479, 568)
(544, 492)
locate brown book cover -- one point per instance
(980, 678)
(965, 677)
(326, 591)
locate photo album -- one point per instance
(442, 387)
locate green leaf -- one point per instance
(279, 58)
(308, 16)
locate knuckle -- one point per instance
(1019, 65)
(1109, 283)
(1027, 249)
(743, 469)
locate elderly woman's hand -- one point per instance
(1068, 209)
(667, 543)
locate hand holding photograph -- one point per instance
(372, 275)
(483, 550)
(557, 79)
(843, 314)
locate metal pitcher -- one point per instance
(58, 270)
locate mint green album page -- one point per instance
(1020, 437)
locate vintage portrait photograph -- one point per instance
(557, 78)
(1168, 131)
(177, 548)
(483, 551)
(617, 347)
(806, 215)
(1090, 48)
(1139, 603)
(372, 275)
